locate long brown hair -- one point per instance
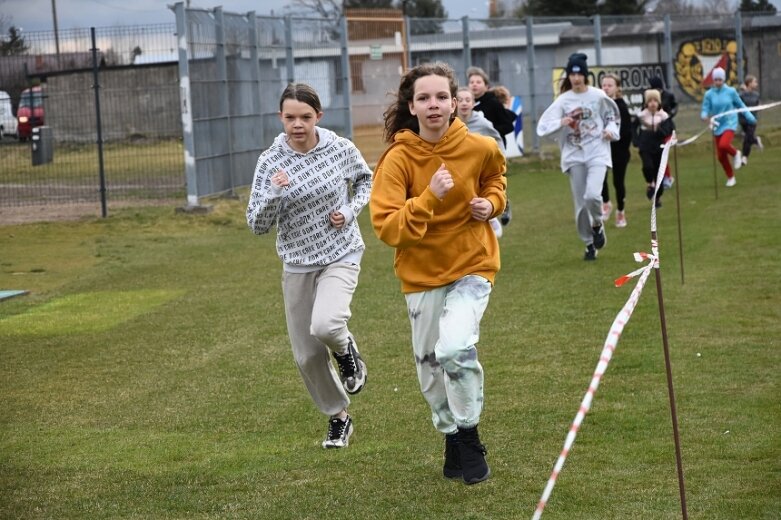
(566, 84)
(397, 116)
(303, 93)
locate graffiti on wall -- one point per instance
(696, 60)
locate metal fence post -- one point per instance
(185, 98)
(224, 97)
(407, 49)
(346, 77)
(467, 55)
(532, 95)
(739, 42)
(289, 64)
(668, 50)
(253, 52)
(598, 40)
(99, 125)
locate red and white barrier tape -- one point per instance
(611, 342)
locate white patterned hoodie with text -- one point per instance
(332, 176)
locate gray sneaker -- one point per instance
(352, 369)
(339, 432)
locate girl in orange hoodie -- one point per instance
(435, 189)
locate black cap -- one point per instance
(656, 82)
(577, 64)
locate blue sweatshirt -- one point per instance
(720, 100)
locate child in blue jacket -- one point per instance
(719, 99)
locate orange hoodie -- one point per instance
(437, 241)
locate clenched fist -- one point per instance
(481, 208)
(337, 219)
(280, 179)
(442, 182)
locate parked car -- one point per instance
(8, 124)
(30, 111)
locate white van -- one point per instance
(8, 125)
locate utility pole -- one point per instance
(56, 31)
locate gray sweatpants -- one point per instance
(317, 308)
(585, 181)
(445, 330)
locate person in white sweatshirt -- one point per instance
(312, 184)
(587, 121)
(477, 123)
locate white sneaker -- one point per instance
(352, 369)
(620, 219)
(607, 209)
(759, 143)
(744, 160)
(731, 182)
(667, 182)
(737, 160)
(497, 227)
(339, 431)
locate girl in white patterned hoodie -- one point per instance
(313, 184)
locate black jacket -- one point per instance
(619, 150)
(651, 140)
(493, 110)
(669, 104)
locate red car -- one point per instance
(30, 111)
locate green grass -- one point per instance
(142, 169)
(148, 372)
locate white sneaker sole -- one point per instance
(359, 384)
(339, 443)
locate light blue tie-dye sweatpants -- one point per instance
(445, 330)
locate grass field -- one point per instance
(148, 372)
(139, 170)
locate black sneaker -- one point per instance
(339, 432)
(452, 467)
(599, 236)
(649, 192)
(658, 203)
(507, 214)
(352, 369)
(591, 253)
(475, 468)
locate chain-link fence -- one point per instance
(525, 55)
(200, 107)
(53, 85)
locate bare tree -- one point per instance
(719, 6)
(675, 7)
(322, 8)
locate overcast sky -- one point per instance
(36, 15)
